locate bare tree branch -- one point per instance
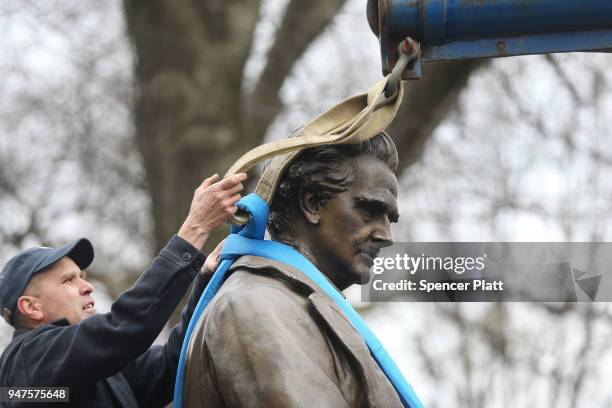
(304, 21)
(426, 104)
(565, 79)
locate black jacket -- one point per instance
(107, 359)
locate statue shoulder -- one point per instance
(247, 292)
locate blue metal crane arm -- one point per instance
(460, 29)
(439, 21)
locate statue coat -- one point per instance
(272, 338)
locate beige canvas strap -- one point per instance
(353, 120)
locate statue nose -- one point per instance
(382, 234)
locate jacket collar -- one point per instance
(283, 271)
(21, 331)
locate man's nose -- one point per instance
(86, 287)
(381, 234)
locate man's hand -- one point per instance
(212, 261)
(214, 202)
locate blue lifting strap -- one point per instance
(248, 240)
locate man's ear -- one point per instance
(310, 205)
(29, 307)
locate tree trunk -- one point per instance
(190, 56)
(191, 116)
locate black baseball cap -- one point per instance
(19, 270)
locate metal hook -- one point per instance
(408, 51)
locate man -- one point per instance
(106, 360)
(271, 337)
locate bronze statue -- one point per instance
(271, 337)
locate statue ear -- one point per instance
(310, 205)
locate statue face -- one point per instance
(355, 224)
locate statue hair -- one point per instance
(324, 172)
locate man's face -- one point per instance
(62, 291)
(356, 223)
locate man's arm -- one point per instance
(262, 348)
(155, 389)
(103, 345)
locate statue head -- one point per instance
(335, 204)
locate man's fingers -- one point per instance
(236, 189)
(234, 199)
(217, 251)
(231, 181)
(210, 181)
(212, 261)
